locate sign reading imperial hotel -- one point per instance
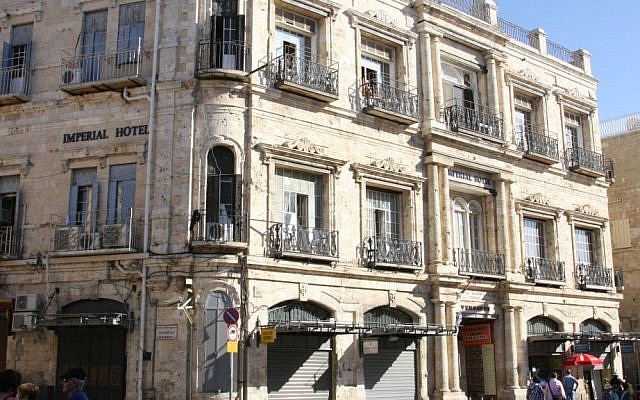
(100, 134)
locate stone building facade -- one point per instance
(619, 138)
(412, 194)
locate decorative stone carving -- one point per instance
(26, 165)
(538, 198)
(303, 290)
(65, 165)
(389, 164)
(587, 209)
(392, 298)
(382, 16)
(545, 309)
(303, 144)
(595, 312)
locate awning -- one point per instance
(346, 328)
(121, 320)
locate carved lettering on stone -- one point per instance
(528, 75)
(389, 164)
(303, 144)
(587, 209)
(538, 198)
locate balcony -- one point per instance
(14, 81)
(585, 162)
(217, 233)
(537, 145)
(545, 272)
(394, 101)
(308, 76)
(592, 277)
(291, 241)
(98, 72)
(105, 232)
(9, 242)
(479, 263)
(481, 121)
(392, 253)
(223, 60)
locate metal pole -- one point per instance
(231, 377)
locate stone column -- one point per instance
(447, 238)
(437, 63)
(454, 367)
(441, 353)
(435, 227)
(503, 224)
(510, 349)
(523, 362)
(428, 106)
(492, 82)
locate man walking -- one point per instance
(570, 384)
(73, 384)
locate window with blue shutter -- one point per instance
(83, 198)
(121, 195)
(130, 32)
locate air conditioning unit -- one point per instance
(66, 239)
(71, 76)
(114, 235)
(27, 302)
(24, 321)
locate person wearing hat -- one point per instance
(73, 384)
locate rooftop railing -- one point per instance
(518, 33)
(621, 125)
(475, 8)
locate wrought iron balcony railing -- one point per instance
(222, 55)
(585, 161)
(543, 270)
(481, 121)
(382, 251)
(9, 242)
(477, 262)
(618, 279)
(14, 80)
(106, 70)
(535, 143)
(107, 230)
(391, 100)
(474, 8)
(297, 241)
(594, 277)
(218, 229)
(309, 75)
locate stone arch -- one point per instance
(296, 310)
(101, 305)
(384, 315)
(593, 326)
(541, 325)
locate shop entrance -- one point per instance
(477, 360)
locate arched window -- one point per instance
(297, 311)
(593, 327)
(216, 358)
(468, 224)
(382, 316)
(541, 326)
(224, 195)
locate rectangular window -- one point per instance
(299, 199)
(121, 195)
(8, 199)
(383, 214)
(377, 63)
(458, 87)
(227, 36)
(130, 31)
(94, 37)
(15, 60)
(534, 243)
(83, 198)
(584, 246)
(573, 130)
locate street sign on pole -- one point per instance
(232, 333)
(231, 315)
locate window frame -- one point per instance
(536, 207)
(466, 207)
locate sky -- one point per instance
(608, 29)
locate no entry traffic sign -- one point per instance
(231, 315)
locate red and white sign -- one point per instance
(476, 335)
(233, 333)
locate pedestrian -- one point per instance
(624, 393)
(609, 394)
(545, 389)
(9, 381)
(535, 391)
(27, 391)
(556, 388)
(570, 384)
(73, 384)
(636, 392)
(615, 380)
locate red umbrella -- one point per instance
(582, 359)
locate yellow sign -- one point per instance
(232, 346)
(267, 335)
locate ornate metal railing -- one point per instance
(106, 229)
(393, 97)
(562, 53)
(618, 279)
(479, 262)
(592, 275)
(534, 141)
(518, 33)
(15, 77)
(577, 158)
(9, 242)
(309, 72)
(228, 55)
(123, 63)
(217, 228)
(475, 8)
(291, 239)
(381, 251)
(482, 121)
(541, 269)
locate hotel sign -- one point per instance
(471, 178)
(102, 134)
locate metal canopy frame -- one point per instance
(592, 337)
(86, 319)
(321, 327)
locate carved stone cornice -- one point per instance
(300, 151)
(21, 163)
(322, 8)
(575, 98)
(382, 27)
(538, 204)
(587, 215)
(387, 171)
(527, 80)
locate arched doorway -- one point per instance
(299, 364)
(390, 373)
(92, 336)
(545, 356)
